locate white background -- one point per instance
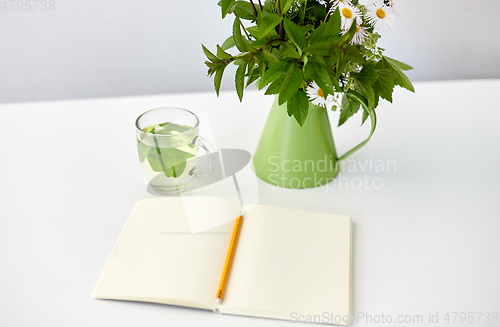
(129, 47)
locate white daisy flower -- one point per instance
(348, 14)
(360, 36)
(317, 97)
(336, 3)
(380, 16)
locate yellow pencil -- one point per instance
(229, 258)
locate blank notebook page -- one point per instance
(157, 259)
(290, 261)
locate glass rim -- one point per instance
(164, 108)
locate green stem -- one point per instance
(328, 8)
(326, 17)
(281, 23)
(254, 9)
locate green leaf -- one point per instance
(269, 56)
(295, 33)
(324, 80)
(332, 26)
(366, 114)
(228, 44)
(385, 73)
(368, 75)
(308, 71)
(282, 65)
(226, 6)
(223, 54)
(316, 10)
(218, 79)
(241, 42)
(320, 48)
(402, 79)
(261, 63)
(267, 23)
(170, 161)
(240, 80)
(348, 109)
(316, 34)
(238, 38)
(289, 51)
(365, 79)
(285, 5)
(209, 55)
(384, 85)
(319, 60)
(376, 97)
(276, 52)
(358, 97)
(254, 31)
(268, 5)
(213, 67)
(252, 77)
(306, 28)
(293, 80)
(298, 106)
(324, 69)
(268, 77)
(250, 68)
(384, 89)
(244, 10)
(142, 150)
(341, 62)
(353, 55)
(330, 61)
(398, 64)
(275, 86)
(347, 37)
(367, 90)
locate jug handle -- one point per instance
(373, 119)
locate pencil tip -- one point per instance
(218, 300)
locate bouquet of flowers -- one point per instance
(311, 51)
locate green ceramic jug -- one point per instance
(293, 156)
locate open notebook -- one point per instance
(287, 263)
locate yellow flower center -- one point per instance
(348, 13)
(357, 28)
(380, 13)
(320, 93)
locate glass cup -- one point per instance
(168, 143)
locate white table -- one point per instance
(426, 242)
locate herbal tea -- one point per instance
(166, 153)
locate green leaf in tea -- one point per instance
(169, 160)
